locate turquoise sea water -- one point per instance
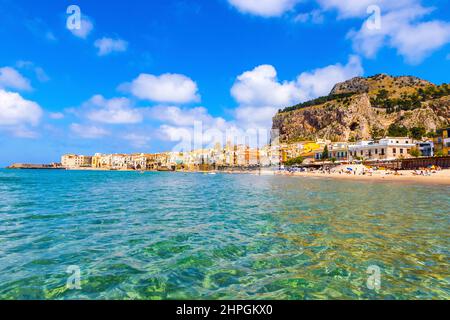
(194, 236)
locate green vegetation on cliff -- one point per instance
(319, 101)
(408, 101)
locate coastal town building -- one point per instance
(139, 161)
(338, 151)
(73, 161)
(389, 148)
(442, 142)
(426, 148)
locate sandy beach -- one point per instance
(430, 177)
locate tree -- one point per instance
(415, 152)
(294, 161)
(325, 153)
(377, 133)
(397, 131)
(383, 95)
(417, 132)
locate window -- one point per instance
(394, 150)
(401, 151)
(382, 152)
(376, 151)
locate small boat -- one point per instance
(212, 173)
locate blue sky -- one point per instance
(137, 74)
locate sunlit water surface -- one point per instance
(195, 236)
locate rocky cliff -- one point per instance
(365, 108)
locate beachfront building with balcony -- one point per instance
(305, 149)
(121, 162)
(389, 148)
(338, 151)
(139, 161)
(102, 161)
(74, 161)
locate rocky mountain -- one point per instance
(365, 108)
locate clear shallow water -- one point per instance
(194, 236)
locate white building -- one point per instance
(121, 161)
(389, 148)
(74, 161)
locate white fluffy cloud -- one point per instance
(88, 131)
(428, 37)
(111, 111)
(107, 46)
(404, 30)
(319, 82)
(260, 94)
(166, 88)
(86, 26)
(261, 87)
(179, 123)
(184, 117)
(264, 8)
(10, 78)
(173, 133)
(17, 111)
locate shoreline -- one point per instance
(438, 178)
(406, 176)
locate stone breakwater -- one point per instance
(35, 166)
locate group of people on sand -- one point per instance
(427, 171)
(431, 174)
(362, 171)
